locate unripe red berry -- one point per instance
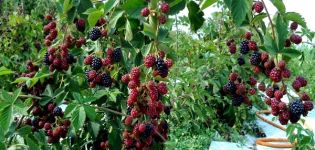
(165, 8)
(128, 120)
(162, 19)
(248, 35)
(294, 25)
(88, 60)
(145, 12)
(233, 76)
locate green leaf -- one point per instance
(31, 144)
(24, 131)
(292, 53)
(138, 59)
(109, 5)
(5, 71)
(296, 17)
(67, 5)
(228, 3)
(6, 118)
(93, 17)
(16, 95)
(61, 97)
(114, 137)
(78, 118)
(115, 17)
(48, 91)
(84, 5)
(282, 31)
(270, 44)
(239, 9)
(5, 96)
(94, 128)
(78, 97)
(133, 7)
(148, 30)
(195, 16)
(259, 17)
(279, 5)
(206, 3)
(176, 6)
(90, 112)
(21, 79)
(128, 33)
(70, 108)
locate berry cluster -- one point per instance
(50, 119)
(294, 38)
(158, 64)
(237, 89)
(98, 31)
(95, 75)
(144, 101)
(39, 87)
(59, 58)
(276, 72)
(161, 13)
(50, 32)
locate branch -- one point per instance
(272, 27)
(110, 110)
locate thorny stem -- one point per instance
(272, 27)
(110, 110)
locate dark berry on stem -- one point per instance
(95, 34)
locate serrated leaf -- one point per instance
(195, 16)
(115, 17)
(296, 17)
(5, 96)
(270, 44)
(282, 31)
(206, 3)
(259, 17)
(279, 5)
(21, 79)
(69, 109)
(128, 33)
(61, 97)
(148, 30)
(109, 5)
(78, 118)
(24, 131)
(239, 9)
(6, 118)
(77, 96)
(48, 91)
(90, 112)
(292, 53)
(31, 144)
(5, 71)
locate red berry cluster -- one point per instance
(232, 46)
(240, 90)
(258, 7)
(58, 57)
(294, 38)
(159, 64)
(163, 9)
(144, 101)
(39, 87)
(96, 75)
(276, 72)
(50, 119)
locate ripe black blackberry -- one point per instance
(244, 49)
(95, 34)
(240, 61)
(297, 107)
(96, 63)
(117, 55)
(161, 67)
(71, 59)
(106, 80)
(46, 59)
(57, 111)
(294, 118)
(255, 59)
(147, 132)
(231, 87)
(237, 100)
